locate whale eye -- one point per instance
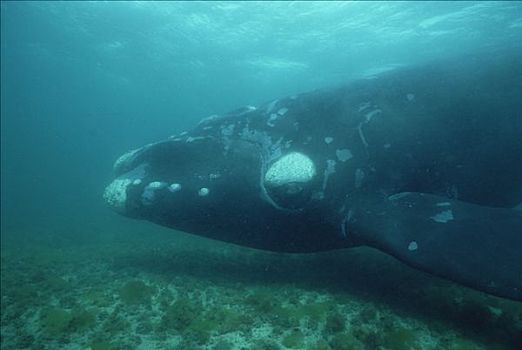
(288, 179)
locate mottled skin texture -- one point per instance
(422, 163)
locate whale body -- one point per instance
(423, 163)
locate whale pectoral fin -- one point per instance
(480, 247)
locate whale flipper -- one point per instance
(477, 246)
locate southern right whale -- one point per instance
(423, 163)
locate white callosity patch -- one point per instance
(149, 192)
(410, 97)
(413, 246)
(175, 187)
(197, 138)
(270, 150)
(347, 218)
(293, 167)
(367, 118)
(209, 119)
(120, 162)
(364, 106)
(116, 194)
(203, 192)
(343, 154)
(176, 138)
(371, 114)
(443, 204)
(282, 111)
(328, 140)
(361, 135)
(330, 169)
(156, 184)
(443, 216)
(275, 116)
(271, 120)
(398, 195)
(271, 106)
(227, 130)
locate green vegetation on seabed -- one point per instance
(56, 321)
(136, 293)
(202, 294)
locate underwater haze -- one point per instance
(83, 82)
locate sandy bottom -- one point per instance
(137, 286)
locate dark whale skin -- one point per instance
(422, 163)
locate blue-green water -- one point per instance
(81, 83)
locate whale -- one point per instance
(422, 162)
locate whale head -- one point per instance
(231, 179)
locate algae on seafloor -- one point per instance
(265, 344)
(399, 339)
(346, 341)
(284, 317)
(223, 345)
(102, 345)
(54, 283)
(115, 324)
(335, 323)
(462, 344)
(136, 293)
(294, 340)
(98, 298)
(180, 315)
(321, 344)
(55, 320)
(262, 301)
(197, 324)
(201, 328)
(315, 311)
(82, 319)
(367, 315)
(58, 321)
(230, 320)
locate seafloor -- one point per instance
(137, 286)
